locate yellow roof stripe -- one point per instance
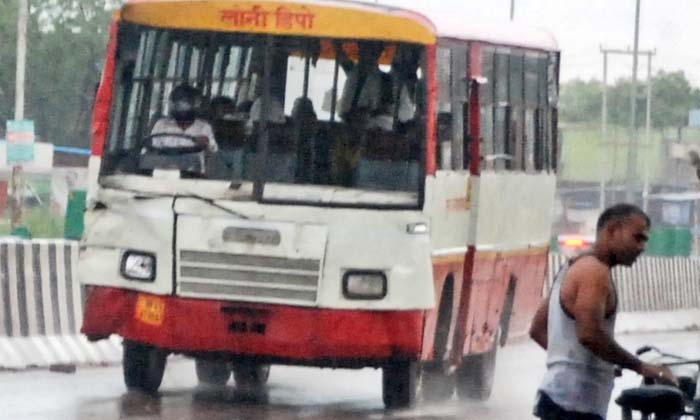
(282, 18)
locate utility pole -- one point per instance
(17, 181)
(512, 10)
(647, 164)
(604, 135)
(607, 52)
(633, 143)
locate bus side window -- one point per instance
(531, 87)
(452, 102)
(553, 96)
(502, 150)
(486, 96)
(444, 108)
(460, 100)
(543, 121)
(516, 133)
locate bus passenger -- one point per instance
(347, 149)
(183, 123)
(228, 125)
(364, 78)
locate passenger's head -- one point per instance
(223, 108)
(370, 51)
(274, 114)
(383, 117)
(183, 104)
(228, 125)
(622, 233)
(406, 62)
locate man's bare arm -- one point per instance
(538, 329)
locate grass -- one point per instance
(40, 221)
(585, 158)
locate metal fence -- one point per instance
(41, 300)
(651, 284)
(41, 307)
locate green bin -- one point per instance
(75, 212)
(670, 242)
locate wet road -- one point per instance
(294, 393)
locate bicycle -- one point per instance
(663, 402)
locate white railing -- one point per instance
(41, 307)
(652, 284)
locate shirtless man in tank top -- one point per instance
(576, 323)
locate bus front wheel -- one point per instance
(212, 372)
(143, 366)
(475, 375)
(399, 384)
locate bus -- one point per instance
(380, 193)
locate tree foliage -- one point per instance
(66, 45)
(581, 101)
(672, 98)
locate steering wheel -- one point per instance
(172, 150)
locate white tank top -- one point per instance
(576, 379)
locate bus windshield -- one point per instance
(335, 121)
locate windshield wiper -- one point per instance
(139, 195)
(213, 203)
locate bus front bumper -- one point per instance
(276, 332)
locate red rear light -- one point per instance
(574, 243)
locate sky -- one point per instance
(582, 26)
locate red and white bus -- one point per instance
(402, 224)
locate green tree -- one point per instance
(66, 46)
(8, 39)
(581, 101)
(672, 98)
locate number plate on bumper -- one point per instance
(150, 310)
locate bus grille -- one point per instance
(249, 277)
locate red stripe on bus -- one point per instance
(103, 102)
(298, 334)
(430, 158)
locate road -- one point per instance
(294, 393)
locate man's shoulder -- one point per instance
(200, 122)
(590, 267)
(164, 122)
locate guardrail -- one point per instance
(41, 309)
(652, 284)
(42, 300)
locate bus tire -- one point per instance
(212, 372)
(435, 384)
(251, 376)
(399, 384)
(143, 366)
(475, 375)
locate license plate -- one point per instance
(150, 310)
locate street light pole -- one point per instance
(648, 149)
(17, 183)
(604, 161)
(632, 147)
(22, 18)
(512, 10)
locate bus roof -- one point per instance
(508, 34)
(314, 18)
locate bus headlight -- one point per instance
(364, 285)
(139, 266)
